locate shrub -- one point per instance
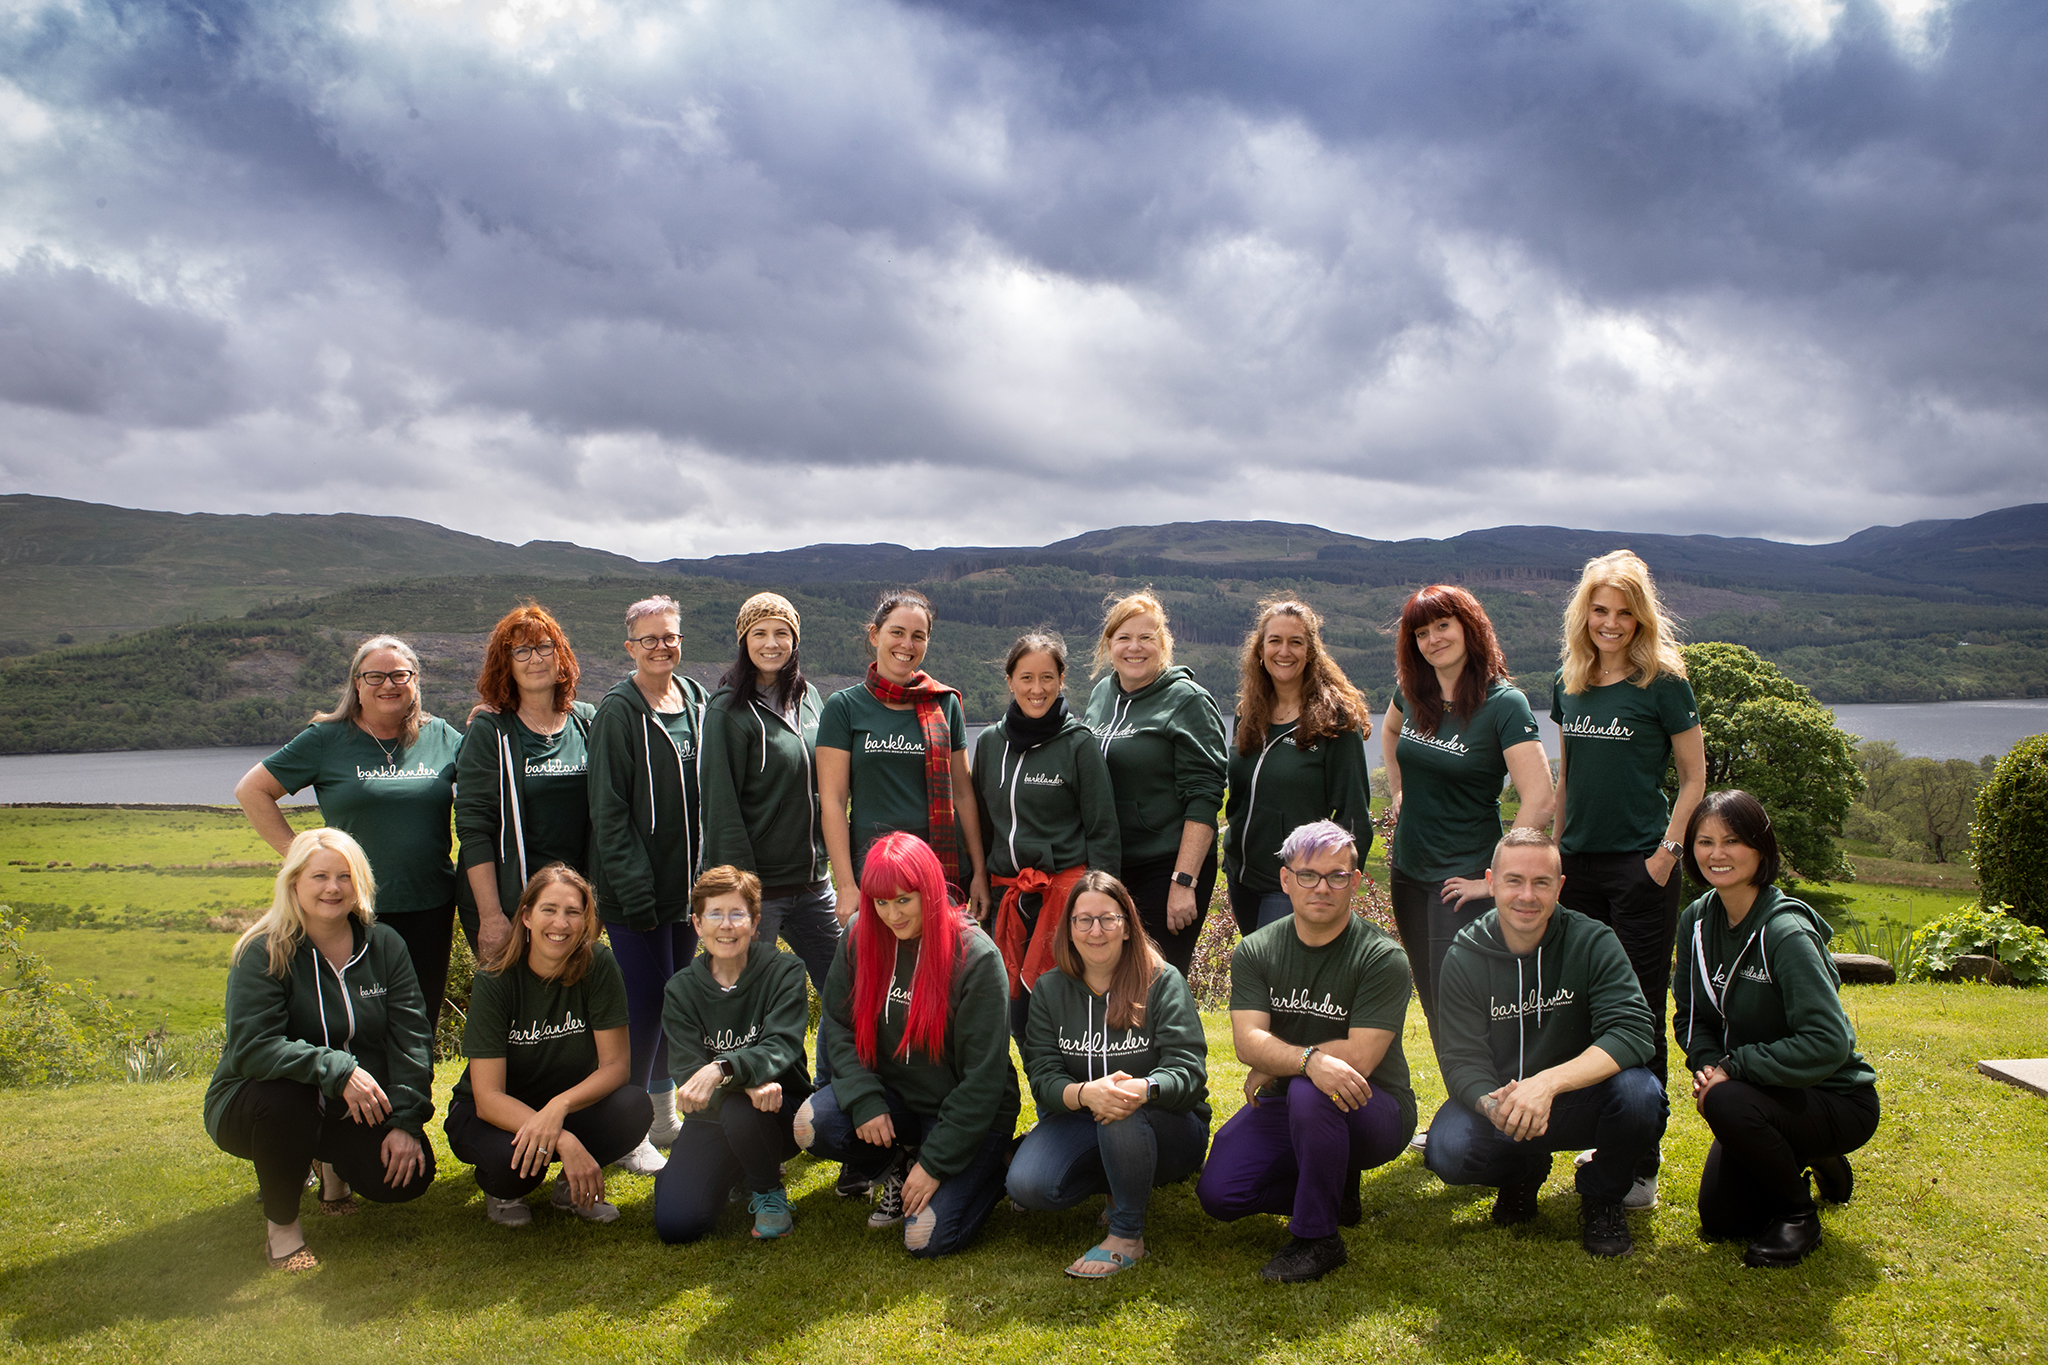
(2010, 833)
(1972, 929)
(50, 1030)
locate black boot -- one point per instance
(1305, 1258)
(1516, 1203)
(1603, 1227)
(1834, 1179)
(1786, 1242)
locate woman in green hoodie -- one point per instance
(1299, 757)
(1050, 814)
(522, 785)
(1118, 1068)
(326, 1056)
(1162, 737)
(645, 837)
(1776, 1073)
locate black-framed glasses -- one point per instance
(656, 641)
(1309, 880)
(378, 678)
(545, 649)
(1088, 924)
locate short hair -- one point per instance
(1037, 642)
(724, 881)
(284, 923)
(512, 951)
(1747, 820)
(1522, 836)
(1123, 609)
(658, 605)
(1315, 839)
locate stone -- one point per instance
(1865, 969)
(1978, 967)
(2029, 1073)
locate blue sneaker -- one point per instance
(772, 1217)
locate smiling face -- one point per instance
(656, 662)
(1525, 882)
(1097, 925)
(1442, 643)
(1612, 623)
(1725, 861)
(726, 926)
(900, 642)
(1283, 648)
(1136, 652)
(540, 670)
(388, 702)
(555, 925)
(903, 913)
(1035, 683)
(770, 642)
(325, 889)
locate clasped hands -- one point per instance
(1328, 1073)
(1520, 1109)
(695, 1094)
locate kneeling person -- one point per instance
(1543, 1036)
(1317, 1003)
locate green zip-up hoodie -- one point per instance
(490, 798)
(1503, 1018)
(1067, 1039)
(1281, 786)
(1049, 806)
(971, 1090)
(758, 1025)
(317, 1025)
(1762, 1000)
(1164, 747)
(644, 835)
(761, 791)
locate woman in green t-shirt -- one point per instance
(383, 771)
(522, 790)
(1457, 727)
(547, 1048)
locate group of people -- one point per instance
(624, 873)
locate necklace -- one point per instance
(390, 758)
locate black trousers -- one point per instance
(1427, 927)
(742, 1146)
(1765, 1139)
(279, 1126)
(428, 935)
(1148, 884)
(608, 1130)
(1617, 890)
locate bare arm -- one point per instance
(1557, 797)
(968, 815)
(491, 924)
(835, 786)
(259, 792)
(1529, 770)
(1390, 742)
(1689, 756)
(1195, 839)
(1338, 1068)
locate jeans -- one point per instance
(739, 1146)
(647, 960)
(1622, 1119)
(1617, 890)
(1765, 1138)
(278, 1125)
(1427, 927)
(805, 921)
(963, 1201)
(1068, 1157)
(1254, 910)
(1148, 884)
(1295, 1154)
(608, 1130)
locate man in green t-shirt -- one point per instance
(1317, 1003)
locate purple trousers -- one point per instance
(1295, 1154)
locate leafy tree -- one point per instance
(1767, 735)
(1919, 809)
(2011, 833)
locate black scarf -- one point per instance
(1022, 729)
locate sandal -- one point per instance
(342, 1207)
(1115, 1260)
(343, 1204)
(294, 1261)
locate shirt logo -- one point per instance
(892, 744)
(1448, 744)
(725, 1040)
(900, 995)
(1299, 1003)
(1042, 780)
(1582, 727)
(538, 1032)
(554, 767)
(1534, 1006)
(1095, 1043)
(1109, 733)
(394, 772)
(371, 991)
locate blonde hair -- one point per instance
(1121, 610)
(285, 921)
(350, 707)
(1654, 649)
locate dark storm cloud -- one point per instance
(1586, 260)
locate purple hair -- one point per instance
(1313, 840)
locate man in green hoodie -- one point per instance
(1543, 1036)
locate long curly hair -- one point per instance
(1654, 649)
(529, 623)
(1485, 665)
(1330, 704)
(897, 863)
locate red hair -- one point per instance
(1484, 663)
(897, 863)
(526, 624)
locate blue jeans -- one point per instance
(1622, 1119)
(963, 1201)
(647, 960)
(1068, 1157)
(1254, 910)
(805, 921)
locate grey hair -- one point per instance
(1315, 839)
(659, 605)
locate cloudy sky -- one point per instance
(691, 278)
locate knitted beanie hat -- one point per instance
(763, 605)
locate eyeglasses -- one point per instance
(521, 653)
(1088, 924)
(727, 916)
(1337, 881)
(657, 641)
(401, 676)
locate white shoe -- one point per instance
(1583, 1157)
(1642, 1194)
(1420, 1142)
(509, 1213)
(598, 1212)
(646, 1159)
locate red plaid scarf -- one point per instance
(929, 698)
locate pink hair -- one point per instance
(897, 863)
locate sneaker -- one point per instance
(1516, 1203)
(1351, 1208)
(888, 1209)
(851, 1186)
(1305, 1258)
(598, 1212)
(646, 1159)
(1834, 1178)
(1583, 1157)
(507, 1213)
(772, 1217)
(1420, 1142)
(1603, 1228)
(1642, 1194)
(665, 1129)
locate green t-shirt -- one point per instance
(545, 1031)
(1360, 979)
(557, 788)
(1450, 785)
(886, 759)
(1617, 743)
(397, 802)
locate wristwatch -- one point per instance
(726, 1068)
(1183, 879)
(1151, 1092)
(1676, 850)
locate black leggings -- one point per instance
(608, 1130)
(1765, 1138)
(1427, 927)
(742, 1146)
(1148, 884)
(428, 935)
(279, 1126)
(1617, 890)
